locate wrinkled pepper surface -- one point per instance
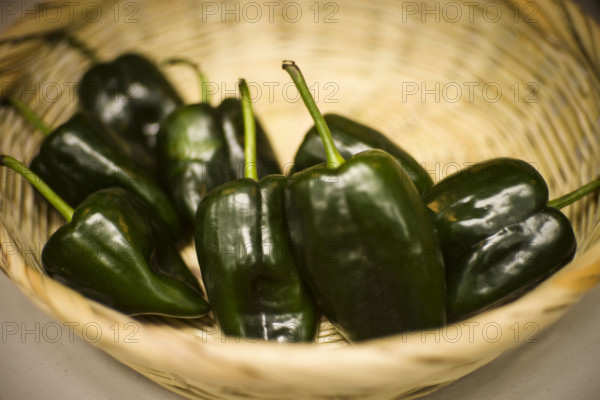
(365, 243)
(247, 261)
(112, 250)
(351, 138)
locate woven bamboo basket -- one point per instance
(452, 83)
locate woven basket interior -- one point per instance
(451, 89)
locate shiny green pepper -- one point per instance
(365, 243)
(351, 138)
(478, 201)
(246, 257)
(201, 147)
(83, 155)
(113, 251)
(131, 95)
(499, 235)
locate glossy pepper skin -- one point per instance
(114, 252)
(131, 95)
(351, 138)
(201, 147)
(366, 246)
(498, 235)
(244, 248)
(248, 267)
(60, 184)
(82, 156)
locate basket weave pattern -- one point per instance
(450, 91)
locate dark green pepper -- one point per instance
(508, 263)
(365, 243)
(113, 251)
(478, 201)
(351, 138)
(498, 233)
(192, 150)
(131, 95)
(201, 147)
(248, 268)
(83, 155)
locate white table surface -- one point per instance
(38, 361)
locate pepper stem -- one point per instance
(57, 36)
(575, 195)
(61, 206)
(28, 114)
(334, 159)
(249, 132)
(204, 94)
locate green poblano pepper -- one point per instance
(131, 95)
(499, 234)
(83, 155)
(112, 250)
(364, 240)
(246, 257)
(201, 147)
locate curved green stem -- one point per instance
(334, 159)
(575, 195)
(28, 114)
(58, 36)
(249, 132)
(204, 95)
(61, 206)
